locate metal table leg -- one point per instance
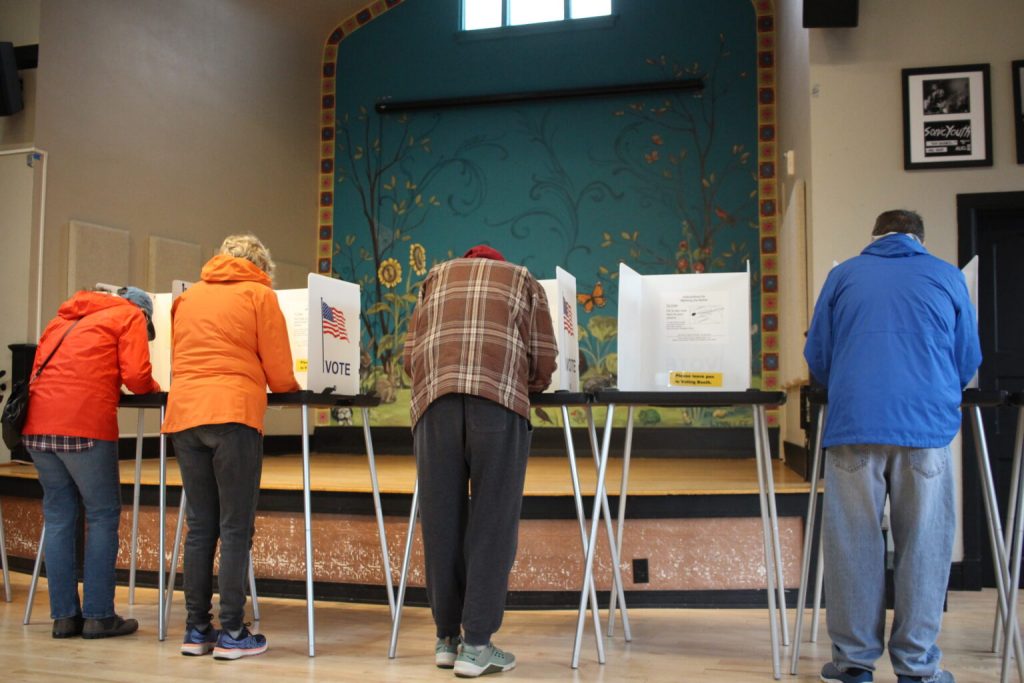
(133, 548)
(161, 626)
(819, 580)
(805, 567)
(588, 567)
(773, 515)
(35, 576)
(617, 585)
(307, 520)
(1016, 544)
(403, 579)
(1011, 514)
(378, 510)
(172, 569)
(581, 518)
(995, 534)
(252, 590)
(3, 558)
(623, 493)
(769, 555)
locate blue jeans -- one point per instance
(220, 469)
(919, 482)
(91, 478)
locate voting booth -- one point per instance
(323, 329)
(684, 332)
(323, 332)
(561, 293)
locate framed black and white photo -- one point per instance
(1018, 107)
(947, 122)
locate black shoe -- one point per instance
(109, 627)
(68, 627)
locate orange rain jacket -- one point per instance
(78, 391)
(230, 343)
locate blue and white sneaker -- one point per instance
(939, 676)
(245, 645)
(199, 642)
(830, 673)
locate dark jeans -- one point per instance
(469, 545)
(220, 469)
(90, 477)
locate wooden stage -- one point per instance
(545, 476)
(693, 522)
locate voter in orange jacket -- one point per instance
(96, 343)
(229, 344)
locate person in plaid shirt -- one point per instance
(479, 341)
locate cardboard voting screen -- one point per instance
(323, 331)
(561, 293)
(334, 335)
(684, 332)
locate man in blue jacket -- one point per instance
(894, 338)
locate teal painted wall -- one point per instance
(663, 181)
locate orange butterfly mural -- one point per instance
(595, 298)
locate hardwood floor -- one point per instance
(724, 645)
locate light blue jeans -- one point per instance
(922, 511)
(90, 477)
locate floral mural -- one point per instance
(665, 182)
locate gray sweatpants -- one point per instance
(464, 442)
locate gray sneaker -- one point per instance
(446, 650)
(479, 661)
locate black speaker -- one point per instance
(10, 85)
(830, 13)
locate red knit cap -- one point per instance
(484, 251)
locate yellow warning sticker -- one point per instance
(694, 379)
(301, 364)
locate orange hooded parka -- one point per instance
(78, 391)
(230, 343)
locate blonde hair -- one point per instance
(250, 248)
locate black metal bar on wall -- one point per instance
(387, 106)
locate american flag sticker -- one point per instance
(333, 321)
(568, 324)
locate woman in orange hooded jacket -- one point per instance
(230, 343)
(98, 342)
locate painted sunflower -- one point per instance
(389, 273)
(418, 258)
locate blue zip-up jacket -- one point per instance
(894, 338)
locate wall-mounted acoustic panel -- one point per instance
(97, 253)
(171, 260)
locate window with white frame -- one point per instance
(481, 14)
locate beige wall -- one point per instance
(856, 123)
(186, 120)
(793, 78)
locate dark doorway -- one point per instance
(991, 225)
